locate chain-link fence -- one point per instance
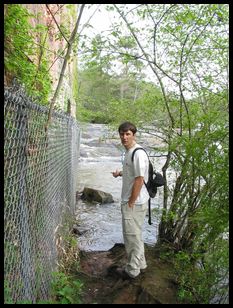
(40, 170)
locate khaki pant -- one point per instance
(132, 223)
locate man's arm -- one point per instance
(138, 182)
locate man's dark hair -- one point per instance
(124, 127)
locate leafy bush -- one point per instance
(23, 57)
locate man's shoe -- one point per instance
(123, 274)
(143, 270)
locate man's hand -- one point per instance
(131, 205)
(137, 185)
(116, 173)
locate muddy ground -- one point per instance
(102, 284)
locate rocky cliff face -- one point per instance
(55, 44)
(63, 16)
(44, 17)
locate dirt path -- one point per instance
(102, 285)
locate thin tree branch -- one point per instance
(153, 68)
(59, 28)
(134, 8)
(83, 27)
(156, 26)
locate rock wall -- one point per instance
(65, 15)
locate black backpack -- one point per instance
(155, 179)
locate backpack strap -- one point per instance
(149, 200)
(133, 157)
(136, 150)
(149, 212)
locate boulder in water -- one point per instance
(95, 195)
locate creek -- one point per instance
(101, 153)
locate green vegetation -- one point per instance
(104, 98)
(22, 49)
(7, 293)
(196, 275)
(66, 287)
(192, 118)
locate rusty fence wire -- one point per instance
(40, 171)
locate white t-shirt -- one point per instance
(131, 170)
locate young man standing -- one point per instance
(134, 199)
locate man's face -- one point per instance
(127, 139)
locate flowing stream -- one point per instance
(101, 153)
